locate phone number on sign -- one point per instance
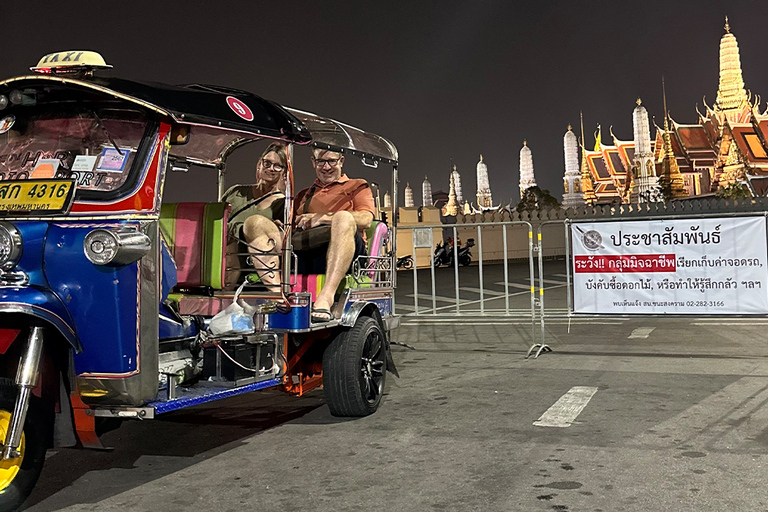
(705, 303)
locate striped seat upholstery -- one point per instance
(196, 234)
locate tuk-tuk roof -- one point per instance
(222, 108)
(194, 104)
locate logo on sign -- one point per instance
(592, 240)
(240, 108)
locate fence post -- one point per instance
(480, 267)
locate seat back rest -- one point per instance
(196, 234)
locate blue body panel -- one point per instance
(33, 235)
(102, 300)
(42, 304)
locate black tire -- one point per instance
(408, 265)
(35, 438)
(355, 369)
(465, 261)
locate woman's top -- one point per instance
(244, 204)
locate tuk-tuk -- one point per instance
(107, 292)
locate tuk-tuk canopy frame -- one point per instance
(210, 113)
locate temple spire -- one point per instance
(730, 93)
(484, 199)
(426, 193)
(408, 196)
(587, 186)
(457, 184)
(452, 206)
(527, 179)
(670, 171)
(572, 195)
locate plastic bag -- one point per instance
(237, 318)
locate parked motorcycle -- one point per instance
(444, 253)
(405, 262)
(465, 256)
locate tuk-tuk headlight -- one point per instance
(115, 247)
(10, 246)
(3, 101)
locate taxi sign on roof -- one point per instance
(70, 60)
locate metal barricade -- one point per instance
(486, 305)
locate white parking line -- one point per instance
(641, 332)
(567, 408)
(730, 323)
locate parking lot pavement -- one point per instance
(626, 413)
(652, 416)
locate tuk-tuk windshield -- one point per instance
(95, 147)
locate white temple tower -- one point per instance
(644, 180)
(457, 184)
(387, 200)
(426, 193)
(527, 179)
(572, 195)
(408, 196)
(484, 199)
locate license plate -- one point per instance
(36, 196)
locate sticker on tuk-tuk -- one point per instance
(240, 108)
(45, 168)
(84, 163)
(7, 123)
(36, 196)
(112, 160)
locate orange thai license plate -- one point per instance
(36, 196)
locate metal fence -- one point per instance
(488, 303)
(558, 245)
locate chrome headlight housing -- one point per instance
(10, 246)
(115, 247)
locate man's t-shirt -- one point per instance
(345, 194)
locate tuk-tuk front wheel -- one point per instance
(18, 476)
(355, 368)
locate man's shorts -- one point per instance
(313, 261)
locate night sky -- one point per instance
(445, 81)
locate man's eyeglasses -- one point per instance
(267, 164)
(331, 162)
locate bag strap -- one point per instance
(309, 197)
(253, 203)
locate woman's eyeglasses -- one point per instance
(267, 164)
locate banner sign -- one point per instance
(708, 266)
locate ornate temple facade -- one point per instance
(527, 179)
(728, 144)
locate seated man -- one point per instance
(334, 205)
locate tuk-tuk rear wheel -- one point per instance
(18, 476)
(355, 369)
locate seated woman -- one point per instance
(257, 214)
